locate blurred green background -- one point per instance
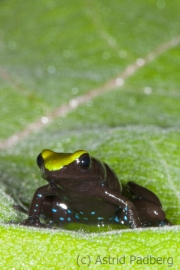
(127, 54)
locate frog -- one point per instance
(84, 189)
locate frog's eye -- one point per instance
(39, 160)
(84, 161)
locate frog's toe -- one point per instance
(20, 208)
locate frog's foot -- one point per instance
(33, 222)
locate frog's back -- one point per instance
(112, 180)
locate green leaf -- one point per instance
(98, 76)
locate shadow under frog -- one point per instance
(84, 189)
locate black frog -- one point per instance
(83, 189)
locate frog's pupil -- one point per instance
(85, 161)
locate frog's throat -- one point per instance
(55, 161)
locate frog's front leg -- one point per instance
(36, 207)
(118, 199)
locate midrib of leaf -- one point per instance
(75, 102)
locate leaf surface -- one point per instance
(98, 76)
